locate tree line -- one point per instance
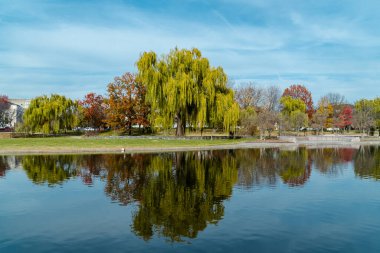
(265, 109)
(182, 90)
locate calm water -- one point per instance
(256, 200)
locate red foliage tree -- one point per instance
(301, 92)
(4, 114)
(4, 102)
(93, 109)
(126, 103)
(3, 98)
(345, 117)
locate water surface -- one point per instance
(253, 200)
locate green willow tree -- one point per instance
(183, 88)
(294, 111)
(50, 115)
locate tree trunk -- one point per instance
(130, 128)
(180, 131)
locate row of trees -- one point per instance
(182, 90)
(266, 109)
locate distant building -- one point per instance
(23, 103)
(16, 110)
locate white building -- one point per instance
(16, 110)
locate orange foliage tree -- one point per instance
(126, 103)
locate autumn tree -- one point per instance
(345, 118)
(93, 110)
(319, 120)
(337, 102)
(183, 89)
(301, 92)
(126, 103)
(364, 115)
(51, 115)
(5, 115)
(324, 111)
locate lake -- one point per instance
(251, 200)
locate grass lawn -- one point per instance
(83, 143)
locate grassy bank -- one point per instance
(78, 144)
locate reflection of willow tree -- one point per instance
(182, 193)
(295, 166)
(367, 162)
(52, 169)
(4, 165)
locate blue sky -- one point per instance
(73, 47)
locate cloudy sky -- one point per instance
(73, 47)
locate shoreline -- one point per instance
(142, 149)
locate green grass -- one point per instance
(83, 143)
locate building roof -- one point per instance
(24, 103)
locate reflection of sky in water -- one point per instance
(334, 210)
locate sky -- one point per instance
(73, 47)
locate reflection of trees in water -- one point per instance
(367, 162)
(179, 194)
(55, 169)
(331, 160)
(50, 169)
(90, 166)
(125, 175)
(4, 165)
(294, 166)
(257, 166)
(264, 166)
(183, 192)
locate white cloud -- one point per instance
(76, 56)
